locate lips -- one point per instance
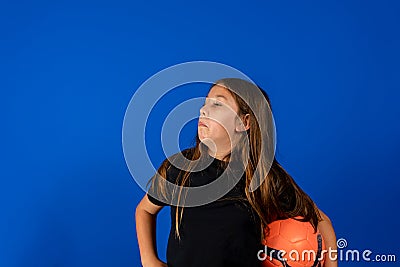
(202, 124)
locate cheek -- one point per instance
(223, 123)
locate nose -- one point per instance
(203, 111)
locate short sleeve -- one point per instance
(158, 198)
(152, 193)
(155, 201)
(172, 173)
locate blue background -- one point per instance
(69, 69)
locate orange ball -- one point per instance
(292, 243)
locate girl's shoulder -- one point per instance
(177, 159)
(175, 163)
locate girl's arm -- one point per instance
(146, 217)
(328, 234)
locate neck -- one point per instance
(218, 154)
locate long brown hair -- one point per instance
(278, 196)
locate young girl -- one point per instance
(228, 231)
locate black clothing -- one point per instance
(218, 234)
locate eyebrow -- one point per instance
(219, 96)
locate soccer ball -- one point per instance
(292, 243)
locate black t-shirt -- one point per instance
(220, 233)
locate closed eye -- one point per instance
(217, 103)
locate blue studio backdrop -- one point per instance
(70, 68)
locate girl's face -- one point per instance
(218, 127)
